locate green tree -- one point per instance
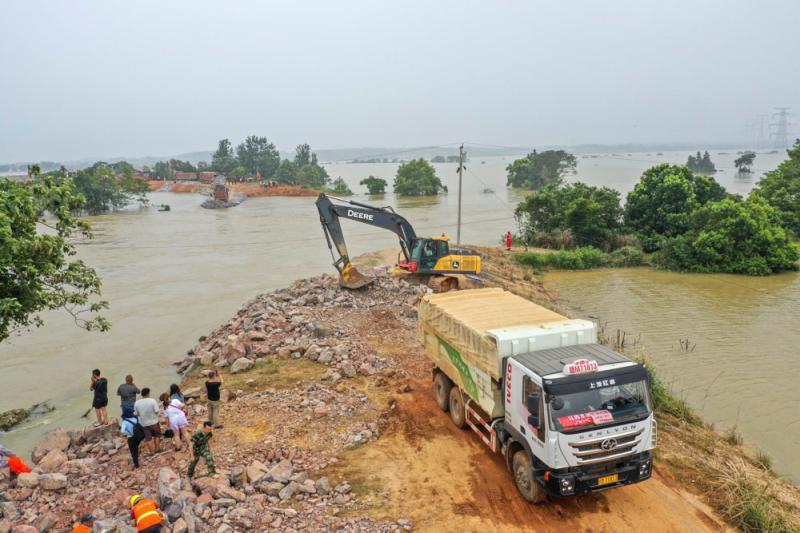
(735, 236)
(701, 164)
(258, 155)
(592, 214)
(35, 273)
(438, 159)
(341, 187)
(223, 160)
(303, 155)
(287, 172)
(122, 168)
(161, 171)
(374, 185)
(781, 189)
(312, 176)
(417, 178)
(102, 191)
(539, 169)
(661, 204)
(744, 162)
(182, 166)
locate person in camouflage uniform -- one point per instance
(201, 449)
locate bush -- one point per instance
(732, 236)
(340, 187)
(591, 214)
(664, 400)
(627, 256)
(539, 169)
(781, 189)
(556, 239)
(661, 205)
(374, 185)
(578, 259)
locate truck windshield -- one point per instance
(600, 407)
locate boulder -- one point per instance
(289, 490)
(46, 522)
(9, 419)
(282, 471)
(348, 369)
(241, 365)
(168, 488)
(52, 481)
(9, 510)
(28, 481)
(227, 492)
(193, 392)
(238, 477)
(256, 471)
(323, 486)
(53, 460)
(24, 528)
(54, 440)
(180, 526)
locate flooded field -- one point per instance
(173, 276)
(728, 344)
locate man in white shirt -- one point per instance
(147, 410)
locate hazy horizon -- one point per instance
(111, 79)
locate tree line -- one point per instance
(685, 219)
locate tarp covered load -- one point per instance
(462, 318)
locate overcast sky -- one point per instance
(107, 78)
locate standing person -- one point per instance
(178, 423)
(508, 241)
(212, 391)
(176, 394)
(201, 449)
(147, 410)
(146, 515)
(130, 427)
(85, 525)
(100, 401)
(127, 392)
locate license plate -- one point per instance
(606, 480)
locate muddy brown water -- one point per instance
(173, 276)
(742, 363)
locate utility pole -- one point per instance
(461, 168)
(781, 127)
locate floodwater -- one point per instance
(741, 365)
(173, 276)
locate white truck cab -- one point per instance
(583, 416)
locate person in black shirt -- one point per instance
(100, 401)
(212, 391)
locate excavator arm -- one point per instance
(382, 217)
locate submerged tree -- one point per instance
(417, 178)
(744, 162)
(781, 189)
(374, 185)
(35, 272)
(539, 169)
(701, 164)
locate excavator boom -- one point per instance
(382, 217)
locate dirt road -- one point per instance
(445, 479)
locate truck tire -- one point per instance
(441, 390)
(457, 413)
(523, 477)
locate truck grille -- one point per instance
(609, 447)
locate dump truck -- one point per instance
(569, 415)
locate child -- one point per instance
(201, 449)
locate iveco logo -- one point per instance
(609, 444)
(356, 214)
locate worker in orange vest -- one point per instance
(145, 514)
(85, 525)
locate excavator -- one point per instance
(431, 257)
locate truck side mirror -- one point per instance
(533, 410)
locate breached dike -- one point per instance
(213, 203)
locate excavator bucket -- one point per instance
(352, 278)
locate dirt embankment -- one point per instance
(250, 190)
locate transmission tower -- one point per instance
(780, 128)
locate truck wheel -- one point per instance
(441, 390)
(457, 413)
(523, 477)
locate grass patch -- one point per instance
(763, 460)
(733, 437)
(582, 258)
(665, 401)
(748, 504)
(274, 372)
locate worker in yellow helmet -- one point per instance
(145, 514)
